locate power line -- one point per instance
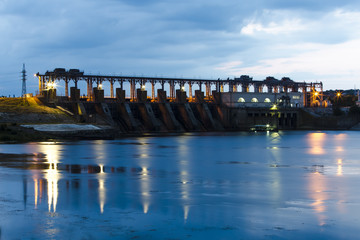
(23, 81)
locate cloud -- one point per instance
(324, 48)
(312, 6)
(323, 63)
(230, 66)
(287, 26)
(184, 38)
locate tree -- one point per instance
(354, 110)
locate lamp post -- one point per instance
(337, 97)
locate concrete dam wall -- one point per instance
(135, 117)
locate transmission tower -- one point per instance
(23, 81)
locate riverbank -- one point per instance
(15, 112)
(29, 119)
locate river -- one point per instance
(286, 185)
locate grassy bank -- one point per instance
(30, 111)
(17, 111)
(25, 105)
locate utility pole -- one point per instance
(23, 92)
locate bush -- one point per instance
(4, 127)
(337, 111)
(5, 138)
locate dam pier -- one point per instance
(159, 104)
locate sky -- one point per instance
(305, 40)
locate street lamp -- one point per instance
(51, 85)
(315, 98)
(338, 96)
(274, 107)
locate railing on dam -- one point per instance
(136, 85)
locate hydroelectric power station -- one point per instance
(179, 104)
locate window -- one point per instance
(254, 100)
(267, 100)
(241, 100)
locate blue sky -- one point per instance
(304, 40)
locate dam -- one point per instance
(179, 104)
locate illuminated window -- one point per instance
(267, 100)
(254, 100)
(241, 100)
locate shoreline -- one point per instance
(27, 120)
(14, 134)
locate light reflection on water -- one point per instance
(316, 142)
(229, 185)
(145, 180)
(183, 165)
(317, 190)
(52, 175)
(275, 174)
(339, 168)
(102, 188)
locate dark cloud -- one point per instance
(163, 37)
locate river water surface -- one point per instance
(286, 185)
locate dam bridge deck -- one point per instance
(184, 86)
